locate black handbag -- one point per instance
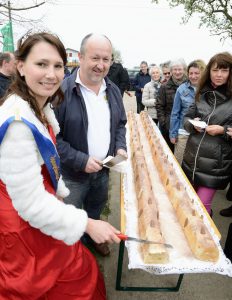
(228, 244)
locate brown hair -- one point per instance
(19, 86)
(222, 61)
(198, 63)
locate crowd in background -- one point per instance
(178, 95)
(174, 94)
(167, 91)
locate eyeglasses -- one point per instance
(167, 73)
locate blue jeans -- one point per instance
(89, 193)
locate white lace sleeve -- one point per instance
(21, 172)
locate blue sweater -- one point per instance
(140, 80)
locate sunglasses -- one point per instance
(167, 73)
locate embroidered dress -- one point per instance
(34, 265)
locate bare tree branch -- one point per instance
(214, 14)
(23, 8)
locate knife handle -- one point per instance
(122, 237)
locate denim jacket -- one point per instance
(184, 97)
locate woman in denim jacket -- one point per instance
(183, 98)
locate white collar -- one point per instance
(78, 80)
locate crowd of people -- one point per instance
(172, 97)
(57, 127)
(203, 94)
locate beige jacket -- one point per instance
(149, 98)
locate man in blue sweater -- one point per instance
(141, 79)
(92, 126)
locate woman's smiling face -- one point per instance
(43, 70)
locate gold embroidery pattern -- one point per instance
(55, 167)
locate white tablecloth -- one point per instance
(181, 259)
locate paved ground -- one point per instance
(196, 286)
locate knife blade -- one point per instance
(124, 237)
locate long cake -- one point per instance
(197, 234)
(148, 213)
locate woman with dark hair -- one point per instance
(208, 155)
(40, 253)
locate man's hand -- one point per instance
(93, 165)
(173, 140)
(122, 152)
(214, 130)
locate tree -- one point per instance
(214, 14)
(11, 12)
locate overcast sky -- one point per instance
(139, 29)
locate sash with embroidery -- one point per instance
(45, 146)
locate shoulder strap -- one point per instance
(45, 146)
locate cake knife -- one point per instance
(124, 237)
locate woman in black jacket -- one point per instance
(208, 155)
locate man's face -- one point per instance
(11, 66)
(95, 61)
(178, 72)
(143, 68)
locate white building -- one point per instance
(72, 56)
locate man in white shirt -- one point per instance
(92, 121)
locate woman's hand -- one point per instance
(199, 129)
(102, 232)
(173, 140)
(214, 130)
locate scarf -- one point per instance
(178, 82)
